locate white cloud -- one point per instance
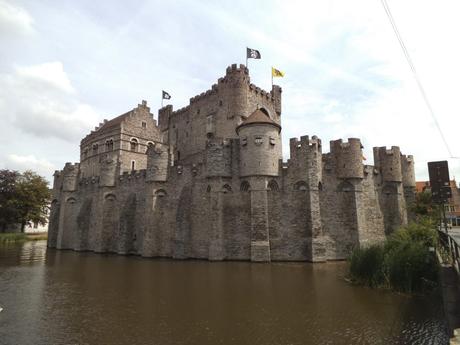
(51, 73)
(40, 100)
(29, 162)
(14, 20)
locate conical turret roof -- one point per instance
(258, 117)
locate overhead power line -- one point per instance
(414, 72)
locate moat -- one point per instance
(65, 297)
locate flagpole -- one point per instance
(271, 71)
(162, 99)
(246, 57)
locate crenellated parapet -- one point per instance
(348, 158)
(218, 158)
(70, 177)
(408, 170)
(388, 163)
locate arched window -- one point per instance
(245, 186)
(226, 188)
(301, 186)
(160, 193)
(95, 149)
(134, 143)
(208, 189)
(109, 145)
(273, 186)
(320, 186)
(345, 186)
(265, 111)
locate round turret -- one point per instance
(260, 145)
(389, 163)
(408, 171)
(348, 158)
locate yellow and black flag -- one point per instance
(277, 73)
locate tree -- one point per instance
(32, 199)
(424, 206)
(8, 211)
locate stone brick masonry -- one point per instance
(208, 181)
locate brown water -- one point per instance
(64, 297)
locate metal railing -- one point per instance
(452, 247)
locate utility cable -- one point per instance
(417, 79)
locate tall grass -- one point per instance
(13, 237)
(22, 237)
(405, 262)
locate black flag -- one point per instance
(252, 54)
(166, 95)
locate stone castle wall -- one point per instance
(207, 191)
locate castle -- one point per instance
(208, 182)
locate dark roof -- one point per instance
(258, 117)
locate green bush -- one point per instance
(405, 262)
(366, 265)
(411, 267)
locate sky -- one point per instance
(67, 65)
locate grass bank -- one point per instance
(21, 237)
(406, 262)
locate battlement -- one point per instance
(388, 162)
(408, 170)
(260, 92)
(204, 95)
(304, 144)
(348, 158)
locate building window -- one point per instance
(150, 145)
(95, 149)
(144, 124)
(258, 140)
(133, 165)
(244, 141)
(134, 144)
(109, 145)
(452, 209)
(272, 141)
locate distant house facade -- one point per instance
(452, 207)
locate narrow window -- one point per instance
(134, 144)
(133, 165)
(178, 155)
(144, 124)
(95, 149)
(109, 145)
(258, 140)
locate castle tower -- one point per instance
(260, 146)
(348, 160)
(69, 209)
(305, 164)
(388, 164)
(408, 181)
(157, 163)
